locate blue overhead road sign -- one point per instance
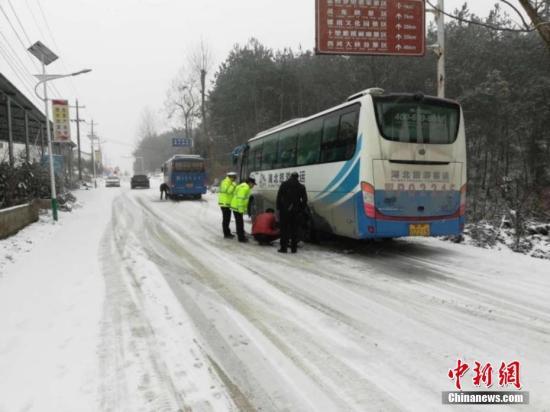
(182, 142)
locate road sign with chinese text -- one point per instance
(370, 27)
(182, 142)
(58, 163)
(61, 124)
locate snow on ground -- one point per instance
(50, 301)
(153, 310)
(535, 242)
(75, 338)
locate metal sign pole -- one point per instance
(93, 154)
(50, 151)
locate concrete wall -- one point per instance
(13, 219)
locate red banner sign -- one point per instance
(370, 27)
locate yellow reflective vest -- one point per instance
(239, 203)
(227, 188)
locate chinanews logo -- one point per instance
(484, 375)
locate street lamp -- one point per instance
(93, 137)
(46, 56)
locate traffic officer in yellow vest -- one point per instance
(227, 188)
(239, 205)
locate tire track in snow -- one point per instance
(142, 367)
(437, 301)
(303, 348)
(129, 356)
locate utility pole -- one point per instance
(92, 137)
(78, 120)
(440, 18)
(439, 47)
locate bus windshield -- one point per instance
(186, 165)
(408, 119)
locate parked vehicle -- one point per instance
(185, 176)
(112, 181)
(140, 181)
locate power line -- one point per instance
(15, 70)
(52, 37)
(20, 24)
(28, 41)
(37, 25)
(21, 68)
(22, 45)
(47, 25)
(35, 20)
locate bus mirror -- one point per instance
(162, 169)
(238, 153)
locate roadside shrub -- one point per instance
(24, 182)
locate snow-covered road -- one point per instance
(188, 320)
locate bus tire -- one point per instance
(251, 210)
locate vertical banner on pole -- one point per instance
(61, 124)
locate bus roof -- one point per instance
(293, 122)
(351, 100)
(185, 157)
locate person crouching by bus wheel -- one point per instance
(227, 188)
(291, 204)
(264, 227)
(163, 190)
(239, 205)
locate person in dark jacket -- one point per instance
(264, 227)
(164, 190)
(291, 204)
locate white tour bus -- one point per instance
(377, 166)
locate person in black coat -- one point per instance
(291, 204)
(164, 190)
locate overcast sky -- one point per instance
(135, 48)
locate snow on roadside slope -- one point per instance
(16, 246)
(56, 323)
(50, 307)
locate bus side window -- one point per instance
(269, 151)
(254, 157)
(330, 136)
(347, 135)
(249, 162)
(309, 142)
(242, 164)
(287, 148)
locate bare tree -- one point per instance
(201, 63)
(182, 97)
(539, 14)
(148, 124)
